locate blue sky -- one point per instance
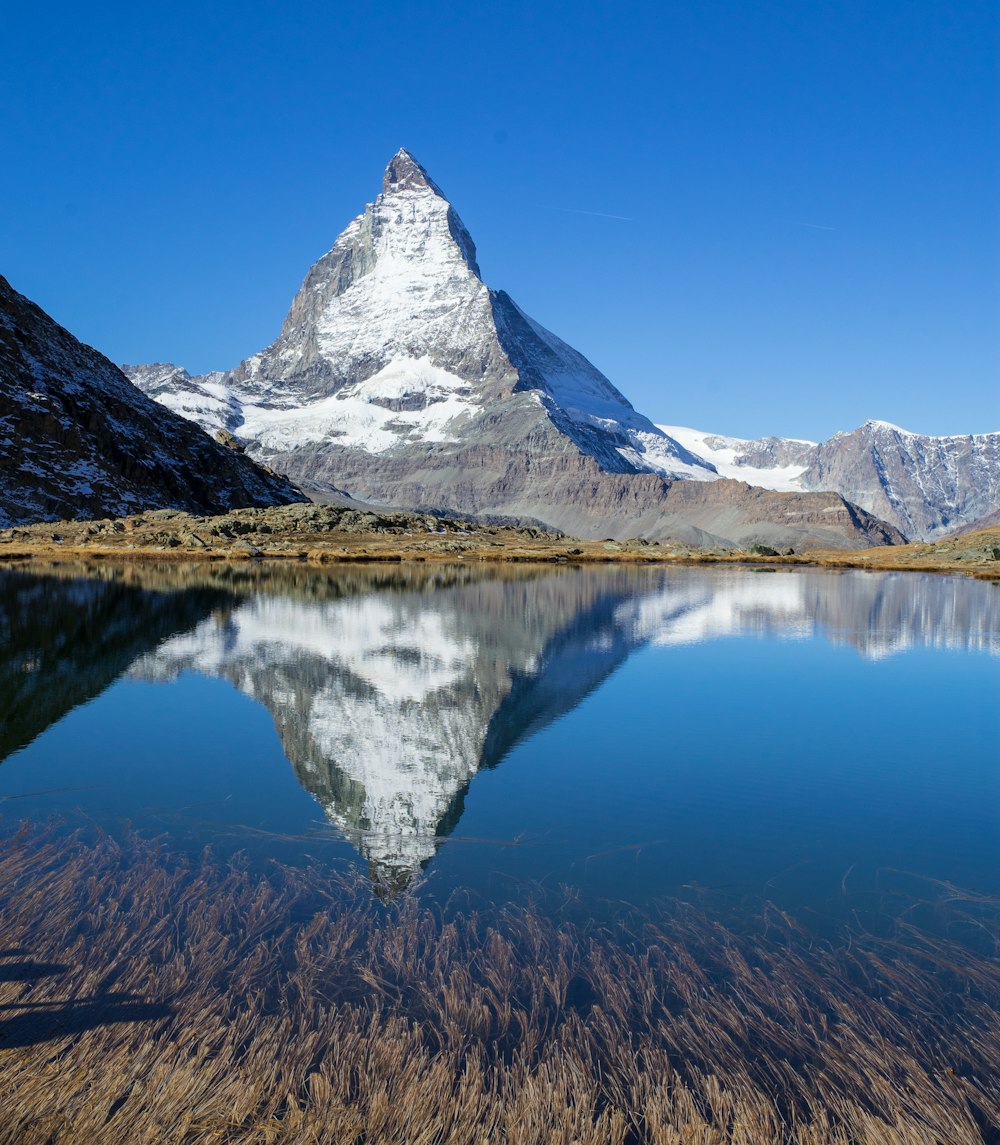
(806, 194)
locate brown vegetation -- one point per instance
(334, 535)
(147, 998)
(322, 534)
(975, 554)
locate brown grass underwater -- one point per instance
(147, 997)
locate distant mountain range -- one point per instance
(926, 486)
(78, 440)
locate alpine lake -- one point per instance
(465, 854)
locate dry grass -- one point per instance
(315, 535)
(340, 535)
(148, 998)
(141, 541)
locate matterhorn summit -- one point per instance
(400, 378)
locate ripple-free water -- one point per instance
(630, 733)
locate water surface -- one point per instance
(632, 733)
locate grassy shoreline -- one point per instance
(328, 535)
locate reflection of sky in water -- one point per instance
(771, 733)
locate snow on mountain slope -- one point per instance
(400, 378)
(770, 462)
(395, 340)
(394, 321)
(926, 486)
(407, 400)
(207, 401)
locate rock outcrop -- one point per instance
(926, 486)
(78, 440)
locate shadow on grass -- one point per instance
(28, 970)
(28, 1023)
(46, 1021)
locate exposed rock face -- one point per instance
(78, 440)
(196, 399)
(990, 521)
(926, 486)
(402, 379)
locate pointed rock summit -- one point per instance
(400, 377)
(404, 173)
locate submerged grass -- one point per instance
(146, 997)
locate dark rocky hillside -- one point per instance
(78, 440)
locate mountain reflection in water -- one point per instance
(390, 690)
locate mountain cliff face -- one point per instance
(402, 379)
(78, 440)
(926, 486)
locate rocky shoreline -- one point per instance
(333, 534)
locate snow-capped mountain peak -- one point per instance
(394, 342)
(402, 379)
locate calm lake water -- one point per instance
(804, 736)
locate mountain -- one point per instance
(401, 378)
(990, 521)
(78, 440)
(928, 487)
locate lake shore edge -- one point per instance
(324, 536)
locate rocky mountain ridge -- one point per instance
(928, 487)
(401, 378)
(78, 440)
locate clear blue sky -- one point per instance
(808, 192)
